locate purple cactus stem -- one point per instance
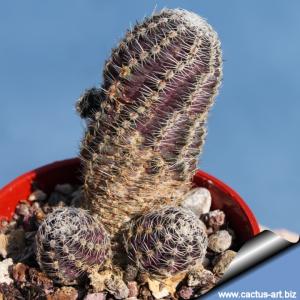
(166, 241)
(146, 124)
(69, 242)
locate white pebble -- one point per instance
(198, 200)
(4, 274)
(37, 195)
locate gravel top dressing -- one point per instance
(22, 278)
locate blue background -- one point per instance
(51, 51)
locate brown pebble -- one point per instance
(223, 261)
(214, 219)
(16, 243)
(142, 277)
(133, 289)
(145, 293)
(19, 272)
(219, 241)
(64, 293)
(40, 279)
(185, 292)
(130, 273)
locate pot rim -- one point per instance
(8, 210)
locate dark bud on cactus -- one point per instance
(70, 242)
(166, 241)
(146, 125)
(89, 103)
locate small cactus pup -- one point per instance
(146, 124)
(70, 242)
(166, 241)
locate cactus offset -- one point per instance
(166, 241)
(146, 125)
(69, 242)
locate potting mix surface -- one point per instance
(21, 277)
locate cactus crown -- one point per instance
(69, 242)
(146, 125)
(166, 241)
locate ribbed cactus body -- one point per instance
(166, 241)
(69, 242)
(146, 125)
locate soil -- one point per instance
(21, 277)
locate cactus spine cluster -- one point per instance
(166, 241)
(146, 124)
(70, 242)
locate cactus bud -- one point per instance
(69, 242)
(166, 241)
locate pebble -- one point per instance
(3, 225)
(130, 273)
(145, 293)
(95, 296)
(214, 219)
(108, 285)
(222, 262)
(57, 199)
(65, 188)
(219, 241)
(3, 245)
(16, 243)
(64, 293)
(200, 278)
(117, 287)
(157, 290)
(37, 195)
(37, 278)
(198, 200)
(77, 198)
(185, 292)
(206, 262)
(133, 289)
(23, 209)
(4, 273)
(9, 292)
(19, 272)
(97, 280)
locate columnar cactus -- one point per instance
(69, 242)
(146, 124)
(166, 241)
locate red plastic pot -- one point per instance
(240, 217)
